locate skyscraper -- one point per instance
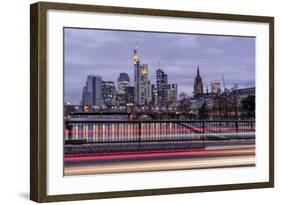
(140, 80)
(154, 94)
(129, 94)
(143, 84)
(172, 92)
(92, 91)
(86, 97)
(136, 76)
(148, 91)
(123, 81)
(162, 88)
(108, 94)
(198, 85)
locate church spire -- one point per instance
(198, 72)
(198, 84)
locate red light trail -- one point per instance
(143, 154)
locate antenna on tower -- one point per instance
(159, 64)
(223, 82)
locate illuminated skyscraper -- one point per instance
(162, 88)
(136, 76)
(198, 85)
(136, 56)
(108, 94)
(140, 80)
(143, 84)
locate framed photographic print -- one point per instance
(134, 102)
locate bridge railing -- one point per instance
(91, 131)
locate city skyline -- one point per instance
(104, 53)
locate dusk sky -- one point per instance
(107, 53)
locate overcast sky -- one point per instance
(107, 53)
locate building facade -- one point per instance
(108, 94)
(162, 88)
(123, 81)
(215, 86)
(91, 94)
(198, 85)
(140, 80)
(129, 95)
(154, 95)
(172, 92)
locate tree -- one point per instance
(184, 105)
(249, 106)
(234, 102)
(203, 111)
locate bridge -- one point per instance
(135, 115)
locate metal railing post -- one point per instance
(236, 125)
(203, 126)
(139, 131)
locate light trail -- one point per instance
(171, 153)
(162, 165)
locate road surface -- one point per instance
(210, 157)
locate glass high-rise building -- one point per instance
(154, 94)
(148, 91)
(91, 95)
(136, 76)
(123, 81)
(140, 80)
(162, 88)
(172, 92)
(108, 94)
(129, 94)
(143, 84)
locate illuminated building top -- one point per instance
(136, 56)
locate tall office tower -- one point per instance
(136, 76)
(215, 86)
(143, 84)
(172, 92)
(129, 94)
(162, 88)
(140, 80)
(148, 91)
(154, 94)
(123, 81)
(92, 91)
(198, 85)
(108, 94)
(86, 97)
